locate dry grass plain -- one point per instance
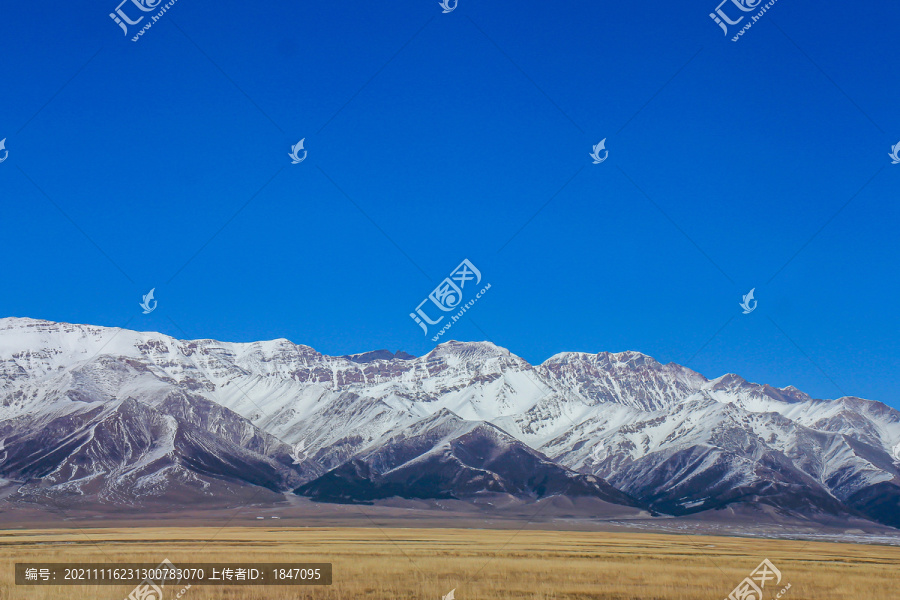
(425, 564)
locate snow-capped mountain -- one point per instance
(128, 418)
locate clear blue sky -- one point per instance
(164, 163)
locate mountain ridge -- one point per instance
(204, 418)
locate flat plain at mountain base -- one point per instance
(396, 563)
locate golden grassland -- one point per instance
(396, 563)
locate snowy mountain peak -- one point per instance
(106, 411)
(625, 358)
(732, 385)
(373, 355)
(468, 351)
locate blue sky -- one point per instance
(435, 137)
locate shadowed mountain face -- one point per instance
(133, 419)
(444, 456)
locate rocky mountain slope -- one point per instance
(131, 418)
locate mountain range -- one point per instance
(121, 418)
